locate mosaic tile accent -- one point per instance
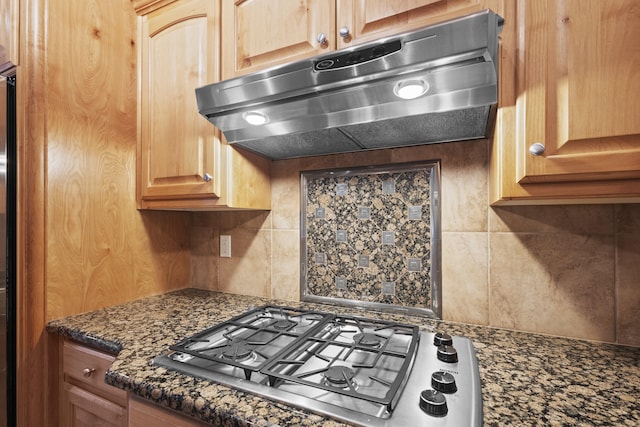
(370, 237)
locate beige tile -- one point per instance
(628, 218)
(204, 257)
(464, 176)
(559, 284)
(205, 219)
(285, 271)
(248, 271)
(285, 196)
(587, 219)
(464, 277)
(628, 288)
(250, 220)
(465, 187)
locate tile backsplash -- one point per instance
(371, 236)
(569, 270)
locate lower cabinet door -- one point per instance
(143, 414)
(85, 409)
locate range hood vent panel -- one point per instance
(312, 111)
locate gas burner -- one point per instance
(339, 377)
(367, 339)
(237, 351)
(284, 324)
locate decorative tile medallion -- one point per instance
(371, 237)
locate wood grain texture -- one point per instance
(574, 71)
(9, 40)
(371, 19)
(101, 250)
(177, 147)
(82, 244)
(260, 33)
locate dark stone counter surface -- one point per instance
(527, 379)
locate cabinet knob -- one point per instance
(537, 149)
(322, 39)
(345, 33)
(88, 371)
(207, 177)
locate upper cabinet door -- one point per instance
(367, 20)
(568, 123)
(179, 150)
(257, 34)
(582, 80)
(9, 14)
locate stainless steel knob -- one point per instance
(345, 33)
(88, 371)
(537, 149)
(322, 39)
(207, 177)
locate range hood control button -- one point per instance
(442, 339)
(448, 354)
(443, 382)
(433, 403)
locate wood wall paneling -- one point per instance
(82, 243)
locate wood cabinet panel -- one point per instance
(86, 399)
(86, 409)
(180, 150)
(9, 33)
(183, 161)
(87, 367)
(574, 64)
(143, 414)
(257, 34)
(581, 63)
(371, 19)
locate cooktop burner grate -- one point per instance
(364, 371)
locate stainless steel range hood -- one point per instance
(349, 100)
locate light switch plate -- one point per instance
(225, 246)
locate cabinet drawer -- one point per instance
(87, 367)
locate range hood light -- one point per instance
(410, 89)
(255, 118)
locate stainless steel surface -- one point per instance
(7, 247)
(537, 149)
(344, 32)
(344, 100)
(383, 395)
(322, 39)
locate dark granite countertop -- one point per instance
(527, 379)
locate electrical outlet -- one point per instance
(225, 246)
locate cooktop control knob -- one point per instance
(448, 354)
(441, 338)
(433, 403)
(443, 382)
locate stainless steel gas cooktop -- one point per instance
(358, 370)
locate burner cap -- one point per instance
(367, 339)
(236, 351)
(339, 376)
(284, 324)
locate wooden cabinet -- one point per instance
(182, 161)
(573, 93)
(145, 414)
(9, 14)
(257, 34)
(87, 399)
